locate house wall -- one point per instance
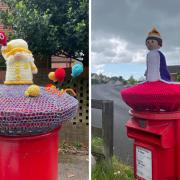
(173, 76)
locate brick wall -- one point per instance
(4, 7)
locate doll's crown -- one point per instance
(154, 33)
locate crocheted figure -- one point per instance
(19, 61)
(156, 62)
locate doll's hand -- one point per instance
(145, 74)
(34, 70)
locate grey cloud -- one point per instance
(132, 20)
(115, 50)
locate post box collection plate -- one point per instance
(143, 163)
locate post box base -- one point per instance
(29, 158)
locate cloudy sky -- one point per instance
(119, 30)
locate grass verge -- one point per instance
(109, 169)
(112, 170)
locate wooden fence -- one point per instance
(107, 124)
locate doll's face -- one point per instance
(152, 44)
(20, 56)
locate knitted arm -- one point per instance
(145, 74)
(33, 68)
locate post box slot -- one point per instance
(144, 136)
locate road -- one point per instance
(122, 145)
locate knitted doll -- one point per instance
(19, 61)
(156, 62)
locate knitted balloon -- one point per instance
(60, 74)
(77, 69)
(52, 77)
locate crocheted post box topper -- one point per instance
(26, 108)
(157, 93)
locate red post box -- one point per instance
(29, 158)
(155, 128)
(156, 145)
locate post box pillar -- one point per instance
(177, 134)
(156, 145)
(29, 158)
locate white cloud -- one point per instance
(173, 56)
(115, 50)
(99, 68)
(139, 56)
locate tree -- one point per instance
(51, 27)
(2, 63)
(120, 78)
(131, 80)
(114, 78)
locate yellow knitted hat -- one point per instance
(14, 46)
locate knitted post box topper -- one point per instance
(19, 61)
(158, 92)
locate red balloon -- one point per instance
(60, 74)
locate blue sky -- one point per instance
(124, 69)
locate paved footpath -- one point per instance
(73, 167)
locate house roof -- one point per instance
(174, 69)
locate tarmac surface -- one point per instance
(73, 167)
(123, 148)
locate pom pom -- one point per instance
(32, 91)
(60, 74)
